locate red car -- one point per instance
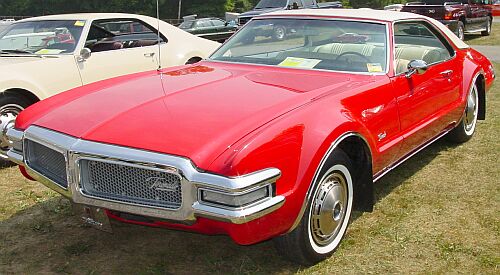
(495, 7)
(267, 138)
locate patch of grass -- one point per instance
(77, 249)
(492, 40)
(436, 213)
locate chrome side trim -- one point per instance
(309, 193)
(408, 156)
(192, 179)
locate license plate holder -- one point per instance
(94, 216)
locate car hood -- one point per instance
(196, 111)
(253, 13)
(7, 61)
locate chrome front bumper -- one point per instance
(192, 180)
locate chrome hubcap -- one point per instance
(329, 209)
(8, 114)
(280, 33)
(471, 110)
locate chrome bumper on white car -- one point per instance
(140, 182)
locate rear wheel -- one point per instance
(461, 30)
(10, 106)
(487, 32)
(279, 33)
(467, 125)
(327, 216)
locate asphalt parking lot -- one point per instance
(492, 52)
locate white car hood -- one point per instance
(11, 60)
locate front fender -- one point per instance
(296, 144)
(19, 83)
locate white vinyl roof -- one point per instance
(371, 14)
(82, 16)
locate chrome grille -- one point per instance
(130, 184)
(46, 161)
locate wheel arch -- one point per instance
(480, 82)
(33, 98)
(193, 60)
(358, 149)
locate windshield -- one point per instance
(42, 37)
(186, 25)
(436, 2)
(263, 4)
(336, 45)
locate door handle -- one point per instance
(447, 73)
(149, 54)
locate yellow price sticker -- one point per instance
(374, 67)
(296, 62)
(79, 23)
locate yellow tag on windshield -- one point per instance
(374, 67)
(80, 23)
(296, 62)
(49, 51)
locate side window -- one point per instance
(308, 3)
(218, 23)
(116, 34)
(419, 41)
(296, 4)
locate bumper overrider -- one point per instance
(62, 162)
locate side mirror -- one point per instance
(416, 67)
(85, 54)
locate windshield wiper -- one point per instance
(15, 51)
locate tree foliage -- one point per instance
(168, 8)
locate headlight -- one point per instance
(235, 200)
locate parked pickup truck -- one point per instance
(462, 17)
(265, 6)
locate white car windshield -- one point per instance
(335, 45)
(41, 37)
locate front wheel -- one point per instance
(279, 33)
(327, 216)
(487, 32)
(10, 106)
(467, 126)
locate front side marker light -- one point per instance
(232, 200)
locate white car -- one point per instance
(43, 56)
(394, 7)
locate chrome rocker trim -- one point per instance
(192, 179)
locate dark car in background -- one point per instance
(210, 28)
(462, 17)
(266, 6)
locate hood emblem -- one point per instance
(161, 184)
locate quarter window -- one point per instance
(308, 3)
(106, 35)
(418, 41)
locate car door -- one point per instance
(478, 14)
(219, 25)
(424, 100)
(118, 47)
